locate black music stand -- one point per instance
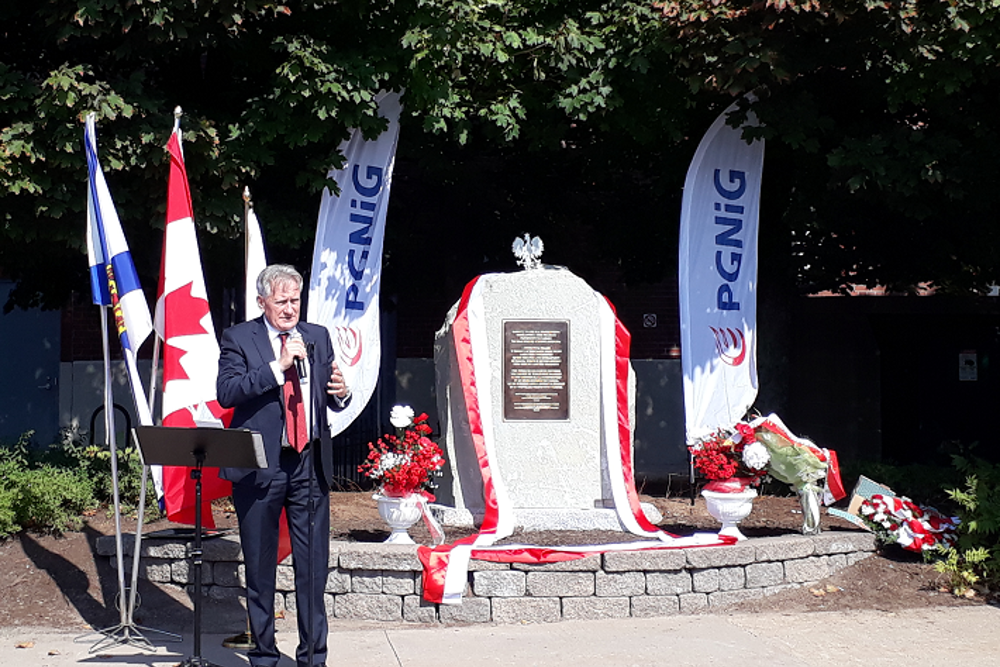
(205, 447)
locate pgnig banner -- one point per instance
(347, 259)
(718, 278)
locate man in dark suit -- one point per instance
(279, 375)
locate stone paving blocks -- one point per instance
(285, 579)
(616, 584)
(732, 578)
(783, 548)
(649, 560)
(383, 582)
(706, 557)
(338, 581)
(366, 581)
(691, 603)
(648, 606)
(723, 598)
(759, 575)
(526, 610)
(418, 610)
(560, 584)
(704, 581)
(505, 584)
(379, 556)
(397, 583)
(369, 607)
(472, 610)
(182, 572)
(668, 583)
(588, 564)
(802, 570)
(595, 608)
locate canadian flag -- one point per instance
(190, 348)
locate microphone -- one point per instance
(300, 364)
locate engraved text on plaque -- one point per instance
(535, 370)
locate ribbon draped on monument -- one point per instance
(347, 259)
(718, 278)
(446, 566)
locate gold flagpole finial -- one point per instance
(246, 193)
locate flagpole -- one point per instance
(105, 240)
(125, 633)
(246, 252)
(246, 218)
(178, 112)
(109, 432)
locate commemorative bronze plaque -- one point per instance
(535, 370)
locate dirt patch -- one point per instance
(61, 582)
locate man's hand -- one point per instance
(294, 347)
(336, 386)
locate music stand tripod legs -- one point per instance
(196, 563)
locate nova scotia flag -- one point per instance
(113, 278)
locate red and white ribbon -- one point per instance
(446, 566)
(915, 527)
(834, 489)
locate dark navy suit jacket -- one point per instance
(247, 383)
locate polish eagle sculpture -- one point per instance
(528, 251)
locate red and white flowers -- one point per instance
(913, 527)
(732, 456)
(404, 463)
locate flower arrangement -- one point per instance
(732, 461)
(403, 463)
(764, 447)
(748, 452)
(913, 527)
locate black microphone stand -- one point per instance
(196, 562)
(314, 445)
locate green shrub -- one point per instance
(48, 490)
(976, 559)
(52, 499)
(96, 461)
(8, 500)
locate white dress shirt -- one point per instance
(275, 337)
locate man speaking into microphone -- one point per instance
(280, 376)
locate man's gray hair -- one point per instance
(277, 273)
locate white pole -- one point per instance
(109, 431)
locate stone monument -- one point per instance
(540, 371)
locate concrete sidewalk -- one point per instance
(966, 636)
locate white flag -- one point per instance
(347, 259)
(255, 259)
(718, 278)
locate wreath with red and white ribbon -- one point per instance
(914, 527)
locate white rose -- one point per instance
(755, 456)
(401, 416)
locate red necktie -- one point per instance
(295, 414)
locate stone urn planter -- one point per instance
(399, 513)
(729, 508)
